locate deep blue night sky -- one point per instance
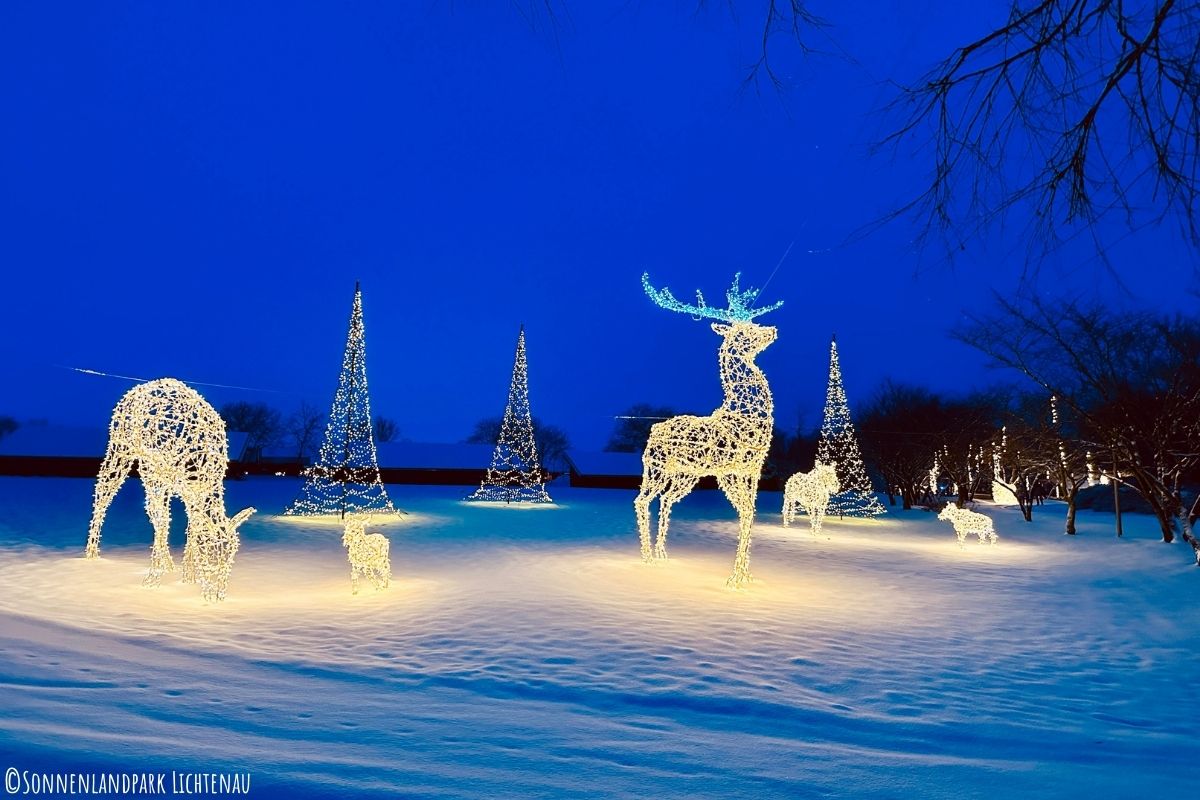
(191, 189)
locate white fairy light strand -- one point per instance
(367, 552)
(730, 444)
(345, 479)
(839, 445)
(177, 440)
(515, 474)
(810, 491)
(966, 522)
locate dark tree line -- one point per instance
(552, 442)
(788, 453)
(300, 431)
(914, 438)
(1128, 383)
(1107, 394)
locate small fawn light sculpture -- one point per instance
(368, 553)
(810, 491)
(966, 522)
(730, 444)
(177, 440)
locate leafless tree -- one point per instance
(260, 421)
(1132, 380)
(303, 427)
(385, 429)
(1030, 450)
(1072, 111)
(552, 442)
(901, 429)
(632, 427)
(791, 18)
(968, 427)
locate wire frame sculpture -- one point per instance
(345, 478)
(730, 444)
(368, 553)
(177, 441)
(810, 491)
(967, 522)
(515, 474)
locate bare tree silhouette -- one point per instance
(1072, 112)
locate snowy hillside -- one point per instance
(529, 653)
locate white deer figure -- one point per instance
(810, 491)
(730, 444)
(177, 441)
(966, 522)
(368, 553)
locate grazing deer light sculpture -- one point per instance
(178, 442)
(810, 491)
(730, 444)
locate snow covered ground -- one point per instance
(529, 653)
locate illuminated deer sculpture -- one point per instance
(177, 440)
(730, 444)
(810, 491)
(368, 553)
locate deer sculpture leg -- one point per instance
(678, 488)
(158, 509)
(741, 491)
(112, 474)
(652, 485)
(188, 571)
(818, 517)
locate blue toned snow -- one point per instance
(522, 654)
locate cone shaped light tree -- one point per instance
(345, 479)
(839, 446)
(515, 475)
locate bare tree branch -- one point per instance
(1071, 112)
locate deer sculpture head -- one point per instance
(731, 443)
(213, 541)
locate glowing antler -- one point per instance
(741, 304)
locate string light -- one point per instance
(730, 444)
(839, 445)
(966, 522)
(810, 491)
(1003, 492)
(515, 475)
(933, 476)
(368, 553)
(177, 440)
(345, 480)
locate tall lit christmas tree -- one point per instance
(345, 478)
(515, 475)
(839, 446)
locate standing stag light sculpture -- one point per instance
(810, 491)
(177, 440)
(730, 444)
